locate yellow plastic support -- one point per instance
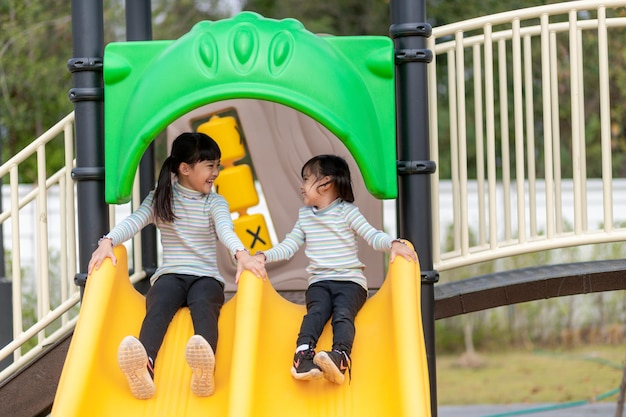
(236, 185)
(253, 232)
(225, 132)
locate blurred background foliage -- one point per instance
(36, 43)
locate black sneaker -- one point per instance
(303, 367)
(334, 364)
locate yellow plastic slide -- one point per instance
(257, 333)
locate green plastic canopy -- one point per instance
(345, 83)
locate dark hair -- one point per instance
(334, 167)
(189, 148)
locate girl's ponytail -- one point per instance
(162, 202)
(189, 148)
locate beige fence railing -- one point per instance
(41, 223)
(515, 100)
(43, 291)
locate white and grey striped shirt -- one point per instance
(190, 242)
(331, 246)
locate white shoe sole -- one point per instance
(201, 360)
(313, 374)
(133, 361)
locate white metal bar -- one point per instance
(480, 145)
(64, 287)
(462, 142)
(434, 149)
(454, 149)
(556, 134)
(583, 133)
(491, 137)
(16, 272)
(576, 113)
(518, 124)
(547, 126)
(605, 120)
(504, 139)
(43, 264)
(530, 136)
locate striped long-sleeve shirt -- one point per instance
(190, 242)
(331, 245)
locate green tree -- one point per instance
(343, 17)
(35, 46)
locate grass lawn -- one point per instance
(542, 376)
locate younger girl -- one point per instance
(328, 224)
(191, 219)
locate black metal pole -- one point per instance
(88, 98)
(2, 265)
(139, 28)
(6, 322)
(6, 293)
(414, 216)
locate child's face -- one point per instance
(199, 176)
(311, 191)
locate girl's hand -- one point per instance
(104, 250)
(399, 248)
(254, 264)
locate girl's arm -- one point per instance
(287, 248)
(253, 264)
(399, 248)
(125, 230)
(103, 251)
(226, 234)
(378, 239)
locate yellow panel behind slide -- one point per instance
(257, 333)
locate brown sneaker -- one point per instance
(136, 366)
(201, 360)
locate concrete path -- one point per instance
(531, 410)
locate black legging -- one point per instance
(203, 295)
(340, 299)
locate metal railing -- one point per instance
(527, 49)
(45, 302)
(505, 82)
(54, 296)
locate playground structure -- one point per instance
(251, 57)
(517, 235)
(253, 355)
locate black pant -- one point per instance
(203, 295)
(340, 299)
